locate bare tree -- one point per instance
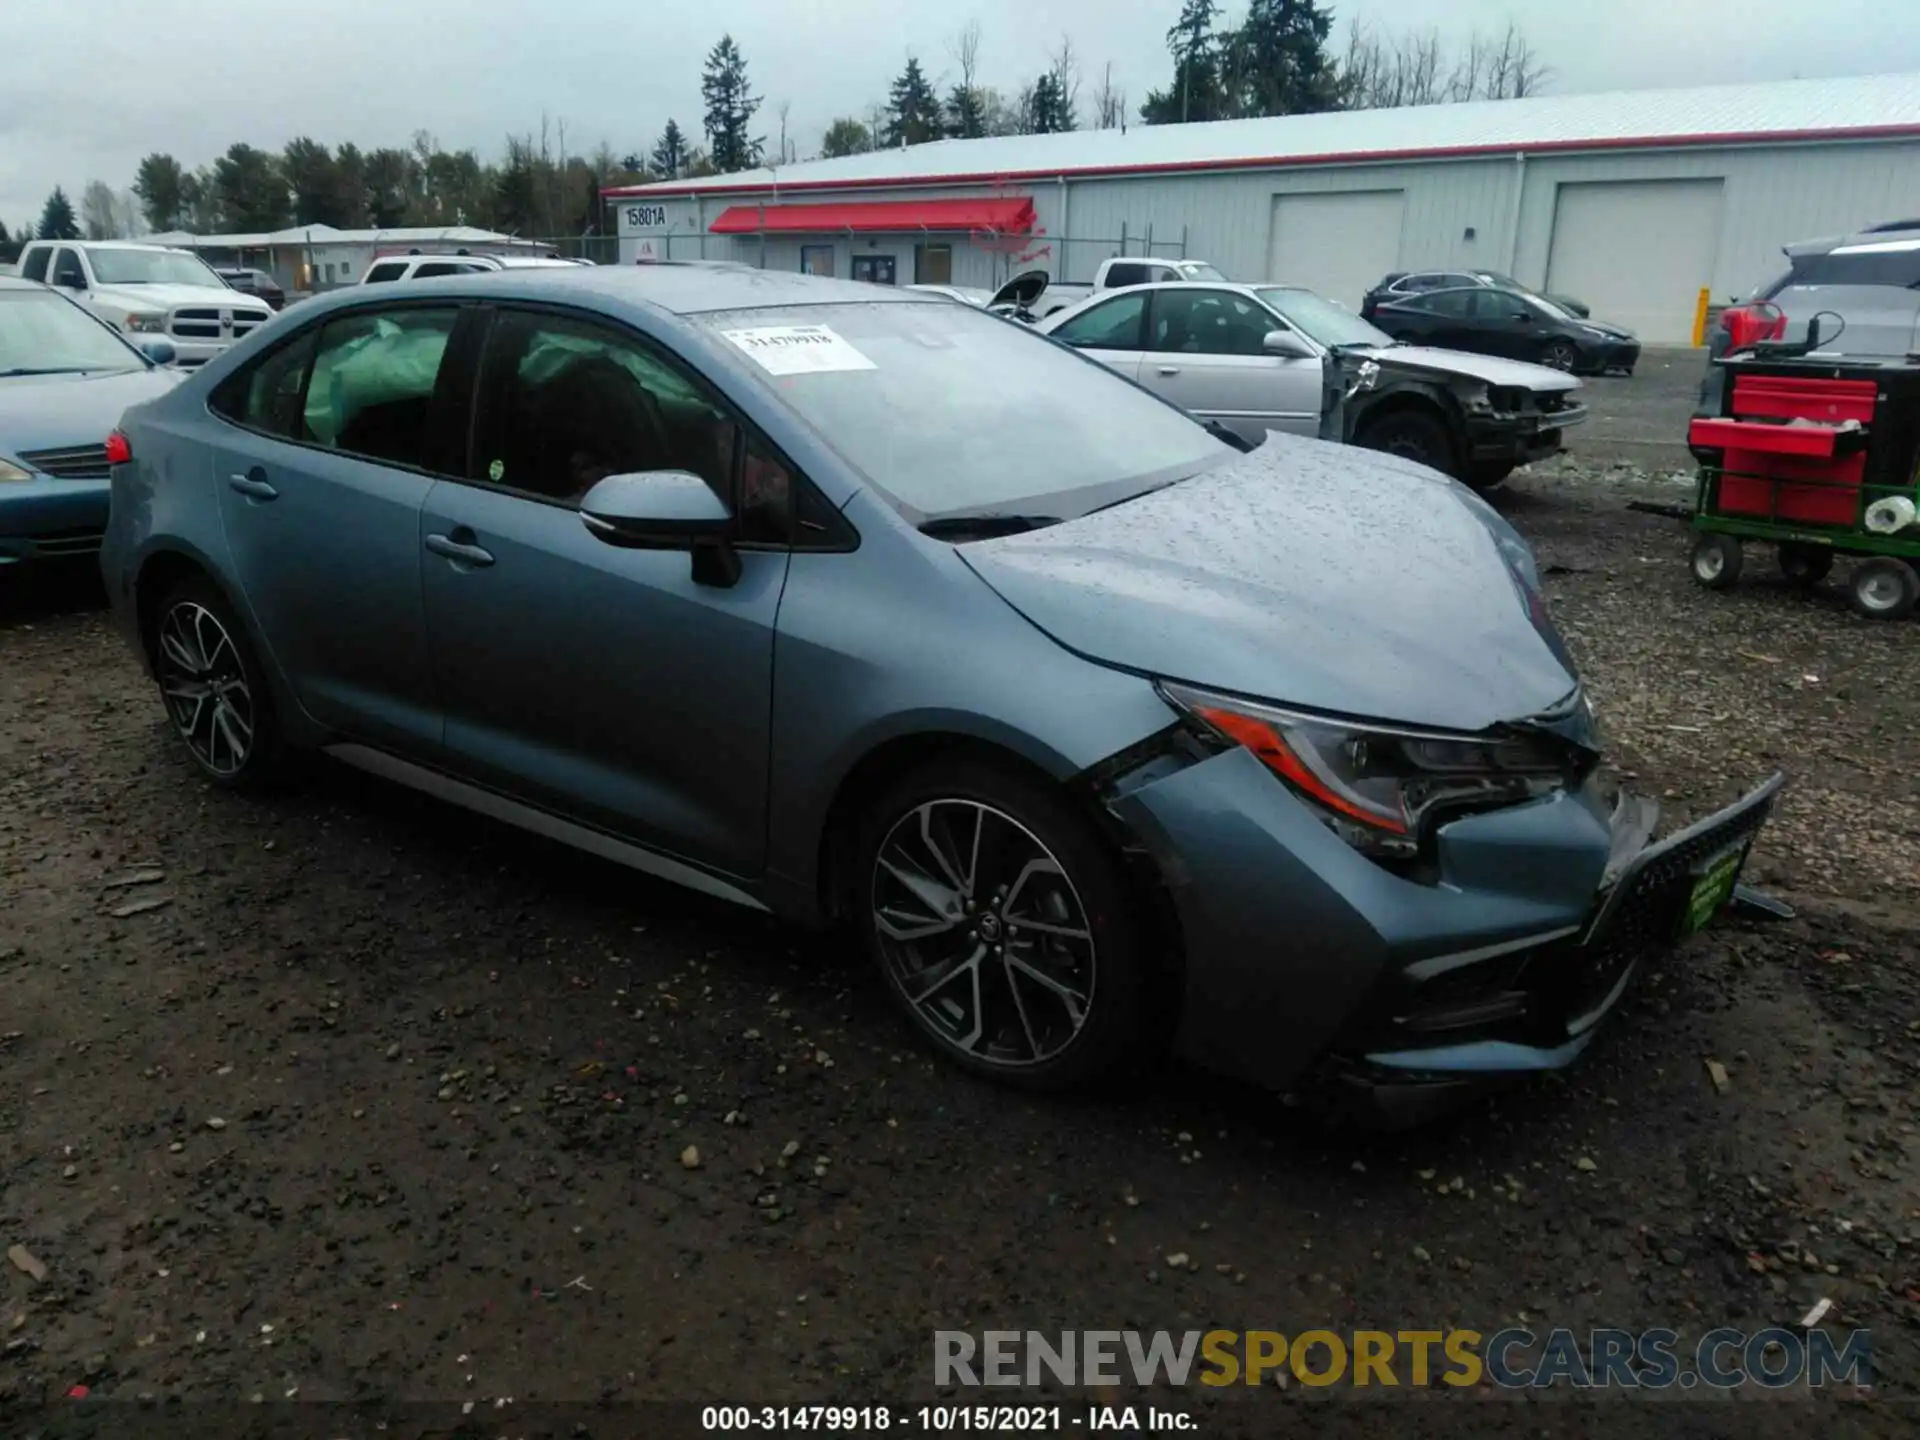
(965, 49)
(99, 212)
(1514, 71)
(1064, 66)
(1416, 68)
(1109, 103)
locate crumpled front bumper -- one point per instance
(1306, 962)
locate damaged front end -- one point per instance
(1400, 983)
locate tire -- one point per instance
(1884, 589)
(1490, 475)
(213, 688)
(1716, 561)
(1559, 355)
(1055, 1008)
(1413, 435)
(1805, 565)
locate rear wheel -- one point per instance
(1003, 928)
(1805, 565)
(213, 688)
(1559, 354)
(1716, 561)
(1412, 435)
(1884, 589)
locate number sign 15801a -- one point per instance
(646, 217)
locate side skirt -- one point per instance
(540, 822)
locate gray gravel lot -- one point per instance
(456, 1069)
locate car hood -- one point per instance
(1490, 368)
(1308, 573)
(168, 297)
(47, 412)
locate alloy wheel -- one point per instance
(1558, 356)
(982, 933)
(205, 687)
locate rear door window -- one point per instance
(34, 267)
(1131, 274)
(386, 270)
(372, 386)
(266, 395)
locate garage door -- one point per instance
(1339, 243)
(1637, 252)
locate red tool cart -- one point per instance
(1818, 457)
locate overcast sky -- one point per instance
(90, 86)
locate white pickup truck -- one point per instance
(148, 292)
(1118, 273)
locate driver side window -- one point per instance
(67, 271)
(565, 403)
(1208, 322)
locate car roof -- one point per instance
(680, 289)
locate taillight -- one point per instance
(1751, 324)
(119, 451)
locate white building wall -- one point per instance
(1492, 213)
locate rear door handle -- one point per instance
(460, 551)
(253, 485)
(1169, 370)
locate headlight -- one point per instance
(11, 471)
(1376, 786)
(147, 324)
(1596, 332)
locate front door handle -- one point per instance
(1169, 370)
(253, 485)
(462, 552)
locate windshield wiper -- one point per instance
(984, 526)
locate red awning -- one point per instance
(1003, 216)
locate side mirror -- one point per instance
(1285, 344)
(161, 352)
(665, 510)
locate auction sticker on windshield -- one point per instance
(798, 349)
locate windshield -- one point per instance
(1321, 319)
(151, 267)
(42, 332)
(1198, 270)
(950, 410)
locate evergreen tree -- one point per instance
(1279, 62)
(966, 113)
(913, 110)
(845, 136)
(315, 181)
(669, 158)
(1195, 91)
(730, 106)
(1047, 111)
(56, 220)
(161, 185)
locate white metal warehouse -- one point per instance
(1633, 201)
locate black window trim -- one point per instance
(312, 330)
(847, 539)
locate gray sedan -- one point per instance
(1261, 358)
(763, 584)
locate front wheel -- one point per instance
(1884, 588)
(1412, 435)
(1716, 561)
(213, 688)
(1003, 928)
(1559, 355)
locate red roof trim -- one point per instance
(1274, 162)
(1003, 215)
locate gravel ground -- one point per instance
(341, 1094)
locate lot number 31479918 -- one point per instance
(647, 217)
